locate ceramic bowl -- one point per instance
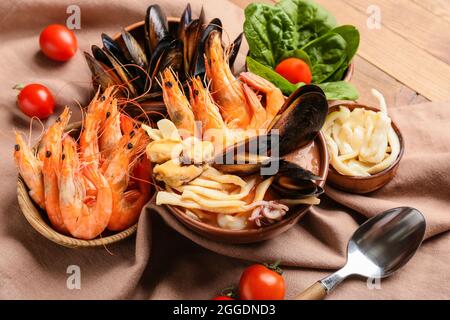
(374, 182)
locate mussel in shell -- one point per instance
(135, 63)
(296, 125)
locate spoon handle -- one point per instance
(315, 292)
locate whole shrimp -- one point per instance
(127, 204)
(85, 217)
(227, 90)
(95, 115)
(30, 163)
(110, 131)
(30, 169)
(50, 170)
(274, 96)
(204, 108)
(177, 104)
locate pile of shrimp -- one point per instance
(248, 102)
(99, 181)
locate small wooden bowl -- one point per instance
(39, 221)
(362, 185)
(264, 233)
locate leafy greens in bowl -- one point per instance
(301, 29)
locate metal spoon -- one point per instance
(378, 248)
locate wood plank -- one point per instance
(368, 76)
(414, 23)
(244, 3)
(395, 55)
(440, 8)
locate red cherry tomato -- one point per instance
(258, 282)
(223, 298)
(57, 42)
(294, 70)
(35, 100)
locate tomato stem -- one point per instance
(19, 86)
(274, 267)
(229, 292)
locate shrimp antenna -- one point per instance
(31, 129)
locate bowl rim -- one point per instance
(35, 216)
(354, 105)
(180, 214)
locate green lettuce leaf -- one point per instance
(327, 54)
(268, 31)
(310, 20)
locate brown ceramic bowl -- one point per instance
(39, 221)
(263, 233)
(362, 185)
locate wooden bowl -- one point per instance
(362, 185)
(39, 221)
(263, 233)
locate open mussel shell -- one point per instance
(246, 157)
(124, 63)
(191, 38)
(135, 51)
(295, 188)
(114, 49)
(169, 53)
(100, 55)
(300, 118)
(185, 20)
(292, 169)
(102, 74)
(156, 28)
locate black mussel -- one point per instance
(297, 124)
(300, 118)
(102, 75)
(296, 188)
(114, 49)
(136, 52)
(169, 53)
(213, 28)
(185, 20)
(125, 76)
(100, 55)
(247, 157)
(292, 169)
(156, 28)
(190, 41)
(234, 49)
(124, 59)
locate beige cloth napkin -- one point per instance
(167, 261)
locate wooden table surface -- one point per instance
(407, 58)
